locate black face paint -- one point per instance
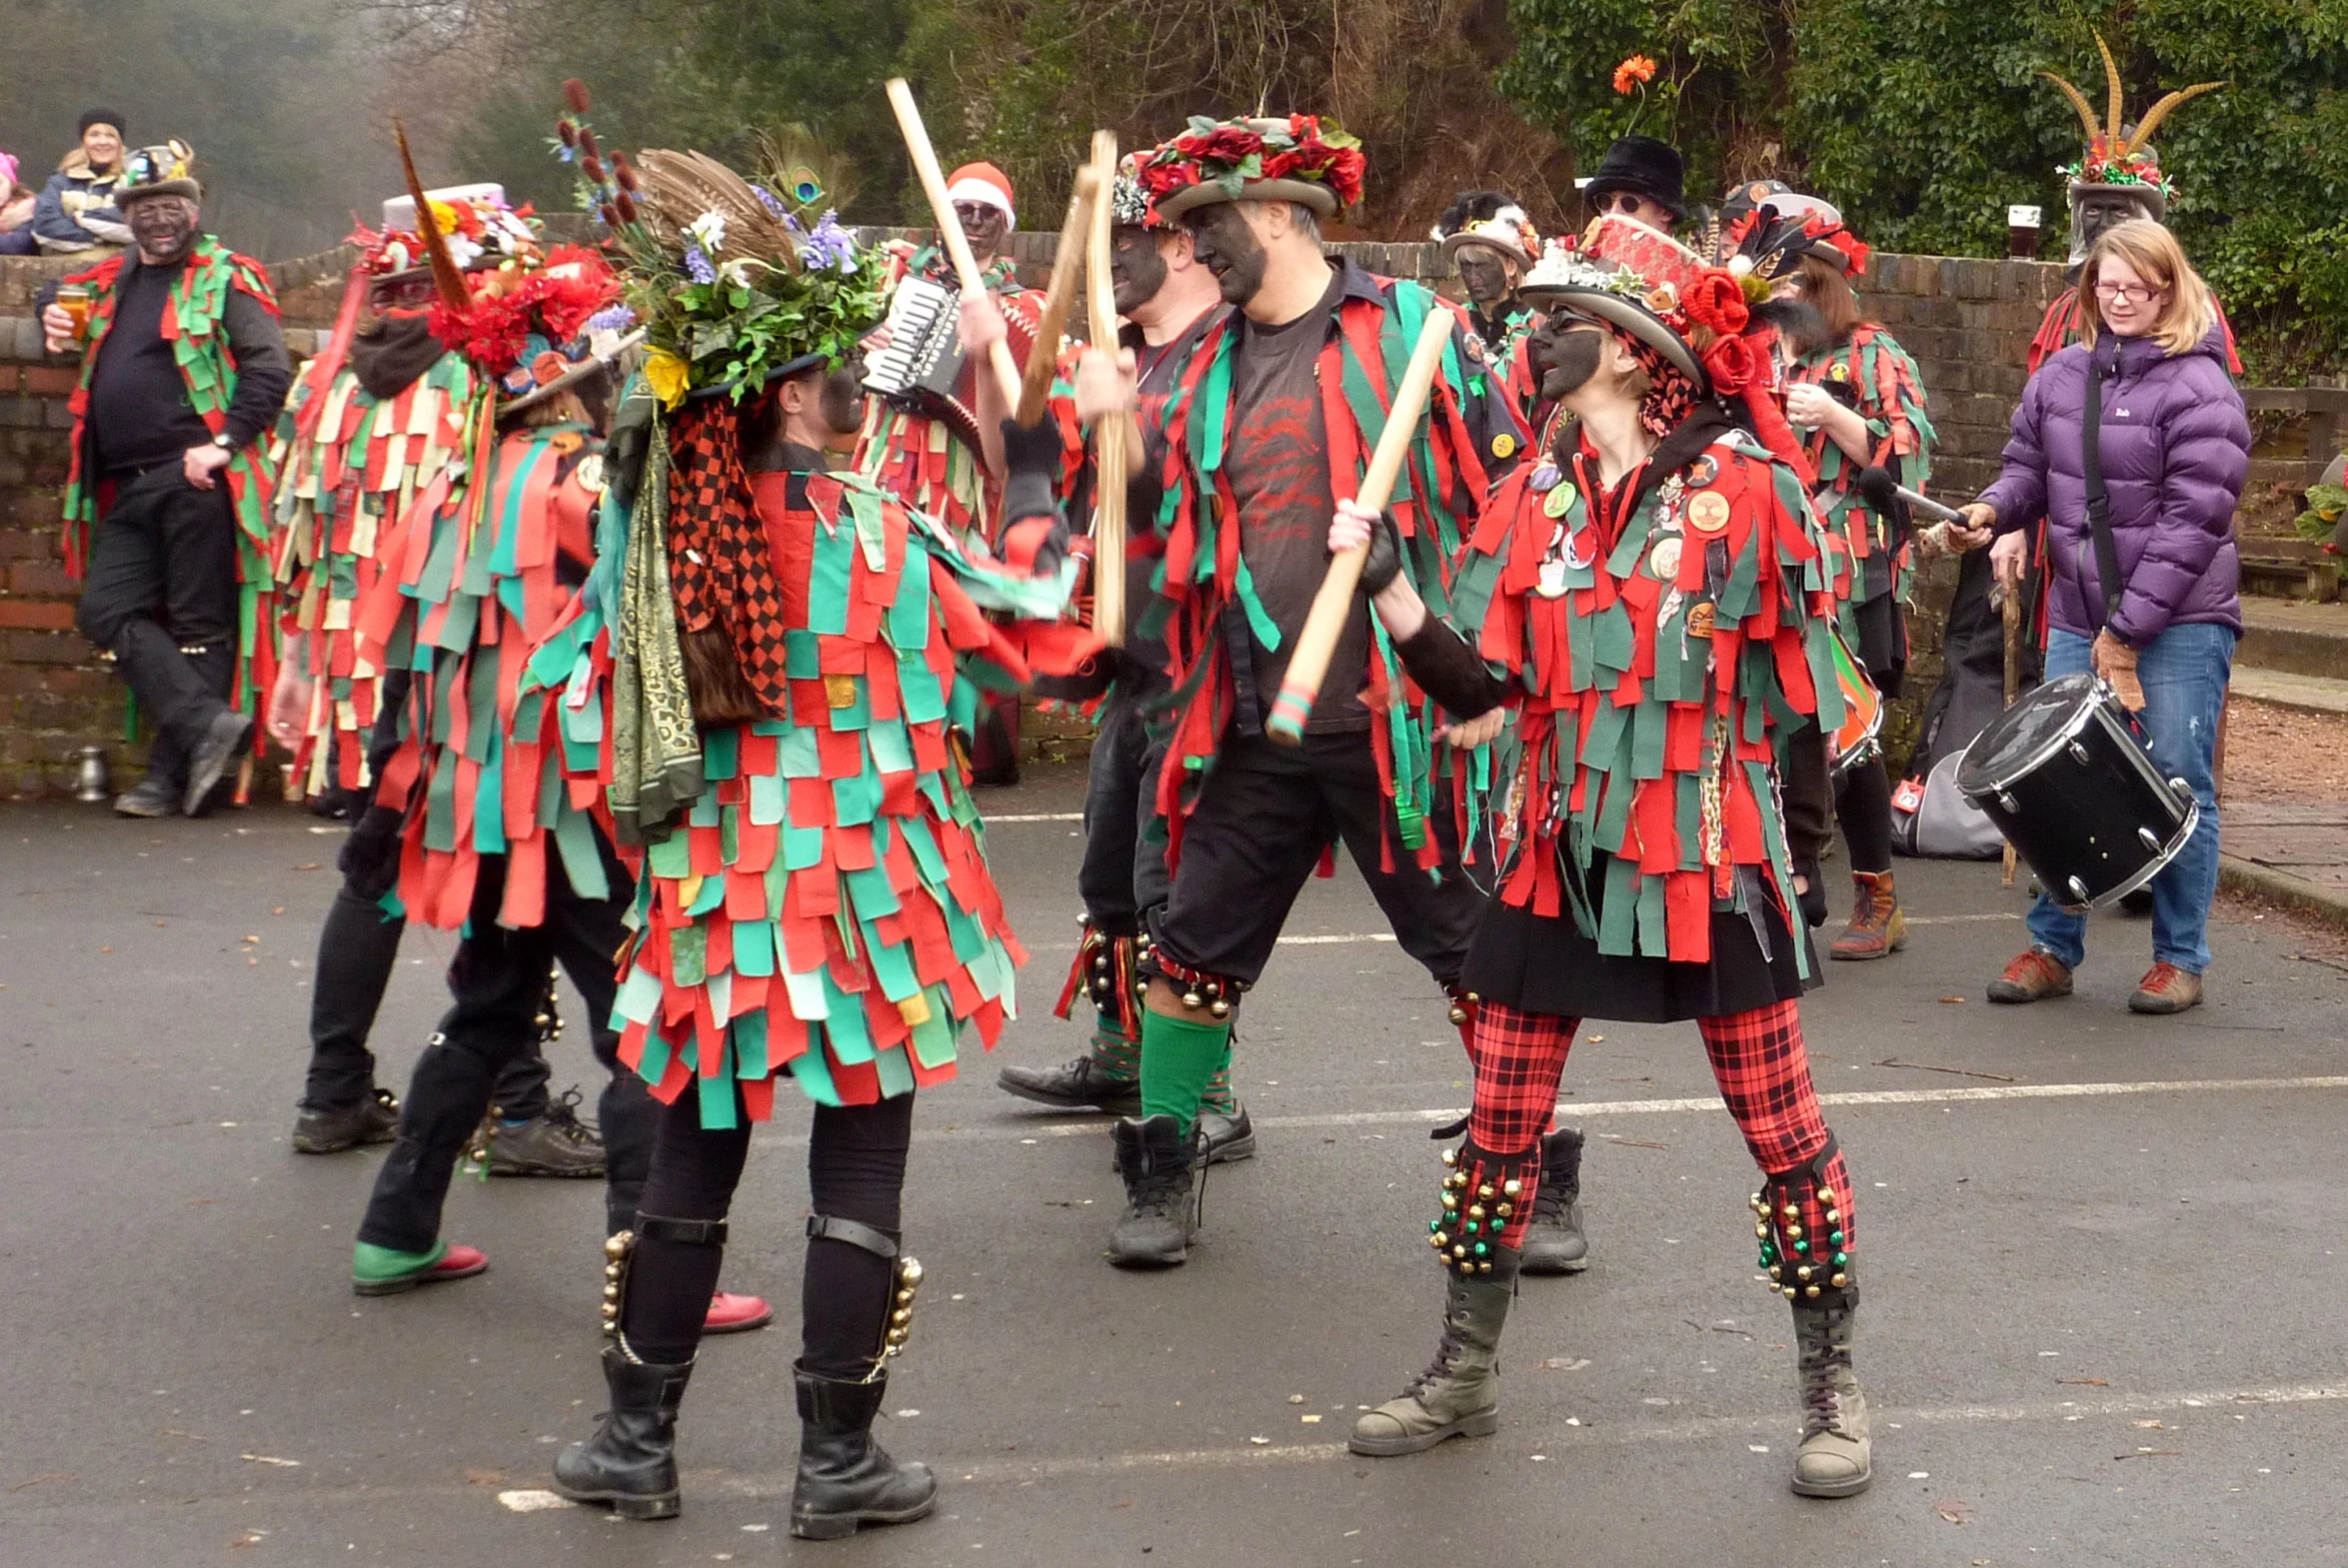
(2100, 212)
(1484, 274)
(1227, 248)
(164, 225)
(842, 401)
(1567, 349)
(1135, 271)
(1799, 325)
(984, 226)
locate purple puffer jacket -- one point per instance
(2175, 450)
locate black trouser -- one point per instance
(357, 949)
(1121, 877)
(162, 585)
(1266, 813)
(497, 977)
(855, 1172)
(1862, 790)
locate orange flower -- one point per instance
(1633, 72)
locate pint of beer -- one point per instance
(74, 300)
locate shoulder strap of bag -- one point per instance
(2107, 555)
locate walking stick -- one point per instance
(1333, 605)
(950, 235)
(1111, 456)
(2011, 611)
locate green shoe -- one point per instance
(383, 1271)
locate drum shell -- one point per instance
(2090, 813)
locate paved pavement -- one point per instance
(2102, 1321)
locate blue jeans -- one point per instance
(2185, 672)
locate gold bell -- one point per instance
(1504, 1209)
(1513, 1186)
(896, 1338)
(1192, 999)
(1802, 1273)
(610, 1293)
(1825, 1194)
(1813, 1292)
(616, 1247)
(1484, 1191)
(1450, 1201)
(1775, 1273)
(1760, 1232)
(1451, 1156)
(908, 1272)
(1476, 1211)
(1834, 1216)
(1790, 1212)
(1790, 1293)
(1483, 1268)
(905, 1298)
(1220, 1007)
(1839, 1281)
(902, 1315)
(1440, 1240)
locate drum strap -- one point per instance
(2107, 555)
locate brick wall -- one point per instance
(1967, 322)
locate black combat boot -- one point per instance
(1162, 1205)
(1553, 1241)
(846, 1480)
(631, 1463)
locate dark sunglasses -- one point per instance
(1617, 201)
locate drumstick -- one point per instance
(950, 235)
(1110, 455)
(1042, 363)
(1333, 607)
(2011, 611)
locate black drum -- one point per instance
(2065, 776)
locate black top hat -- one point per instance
(1650, 168)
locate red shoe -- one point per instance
(735, 1314)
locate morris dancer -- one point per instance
(183, 372)
(1658, 604)
(1858, 400)
(937, 460)
(1169, 300)
(480, 773)
(1267, 435)
(1488, 239)
(363, 435)
(816, 910)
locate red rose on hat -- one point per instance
(1714, 298)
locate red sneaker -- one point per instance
(2034, 977)
(737, 1314)
(2166, 988)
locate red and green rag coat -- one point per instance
(932, 462)
(1654, 659)
(825, 910)
(1889, 394)
(192, 324)
(349, 464)
(481, 567)
(1468, 437)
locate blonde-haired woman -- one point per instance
(2175, 447)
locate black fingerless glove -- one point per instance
(1813, 896)
(370, 862)
(1385, 561)
(1031, 462)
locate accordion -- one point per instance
(922, 367)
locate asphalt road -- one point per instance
(2102, 1320)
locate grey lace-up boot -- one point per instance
(1458, 1395)
(1835, 1459)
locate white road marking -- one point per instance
(1045, 817)
(1081, 1126)
(1550, 1437)
(532, 1500)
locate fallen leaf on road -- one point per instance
(484, 1477)
(1296, 1399)
(1636, 1143)
(307, 865)
(2152, 1426)
(1948, 1001)
(1951, 1510)
(54, 1475)
(289, 1464)
(1561, 1364)
(249, 1538)
(1260, 1441)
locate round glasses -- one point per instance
(2144, 293)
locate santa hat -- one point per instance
(983, 182)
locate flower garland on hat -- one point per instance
(1321, 163)
(2117, 154)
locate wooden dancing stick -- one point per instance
(2011, 611)
(1333, 605)
(1112, 454)
(1043, 364)
(950, 235)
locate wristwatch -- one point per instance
(224, 441)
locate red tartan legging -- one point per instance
(1757, 1058)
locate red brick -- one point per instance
(23, 544)
(51, 380)
(43, 613)
(42, 578)
(41, 647)
(35, 510)
(79, 683)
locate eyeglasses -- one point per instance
(2144, 291)
(1619, 201)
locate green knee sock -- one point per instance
(1177, 1058)
(1117, 1053)
(1219, 1098)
